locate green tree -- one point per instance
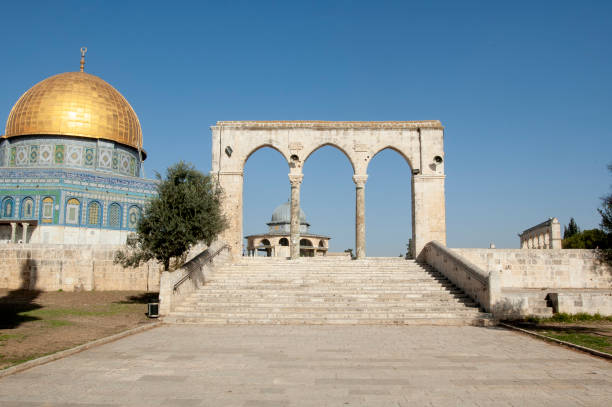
(606, 223)
(588, 239)
(185, 211)
(571, 229)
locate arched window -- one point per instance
(93, 214)
(47, 210)
(321, 243)
(305, 242)
(114, 215)
(27, 208)
(284, 241)
(8, 206)
(264, 242)
(73, 209)
(133, 217)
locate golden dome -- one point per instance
(75, 104)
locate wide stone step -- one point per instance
(326, 296)
(429, 321)
(237, 298)
(327, 315)
(339, 290)
(324, 279)
(328, 291)
(312, 310)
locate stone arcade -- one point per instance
(421, 143)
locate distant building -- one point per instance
(275, 243)
(546, 235)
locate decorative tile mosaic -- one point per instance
(105, 158)
(125, 164)
(33, 154)
(115, 160)
(59, 153)
(74, 155)
(132, 166)
(21, 157)
(46, 154)
(89, 157)
(12, 156)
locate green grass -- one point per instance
(591, 341)
(570, 318)
(44, 313)
(6, 337)
(56, 323)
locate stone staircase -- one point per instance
(328, 291)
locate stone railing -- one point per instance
(481, 286)
(176, 285)
(546, 235)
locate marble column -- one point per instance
(13, 231)
(360, 233)
(294, 229)
(24, 235)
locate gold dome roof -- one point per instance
(75, 104)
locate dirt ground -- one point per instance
(34, 323)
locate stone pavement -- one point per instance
(266, 366)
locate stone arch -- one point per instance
(334, 145)
(390, 147)
(392, 193)
(305, 242)
(283, 241)
(259, 147)
(421, 143)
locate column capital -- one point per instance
(295, 179)
(360, 180)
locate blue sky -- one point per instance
(523, 89)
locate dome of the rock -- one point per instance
(75, 104)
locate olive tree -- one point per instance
(185, 211)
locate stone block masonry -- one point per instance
(72, 268)
(538, 282)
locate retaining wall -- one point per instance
(48, 267)
(569, 280)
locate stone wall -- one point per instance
(533, 268)
(72, 268)
(567, 280)
(478, 283)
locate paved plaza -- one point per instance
(265, 366)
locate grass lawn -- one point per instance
(34, 324)
(590, 331)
